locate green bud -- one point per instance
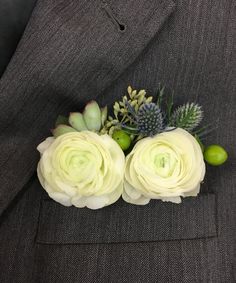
(129, 89)
(61, 130)
(76, 120)
(149, 99)
(104, 114)
(92, 116)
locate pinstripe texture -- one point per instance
(194, 55)
(13, 18)
(69, 53)
(120, 223)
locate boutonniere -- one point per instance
(146, 149)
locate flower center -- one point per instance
(164, 164)
(79, 161)
(78, 164)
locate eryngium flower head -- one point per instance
(187, 116)
(149, 119)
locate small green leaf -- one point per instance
(169, 106)
(76, 120)
(92, 116)
(61, 130)
(61, 120)
(200, 142)
(161, 92)
(104, 112)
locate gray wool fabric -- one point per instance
(14, 15)
(75, 51)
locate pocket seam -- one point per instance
(175, 233)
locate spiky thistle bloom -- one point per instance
(187, 116)
(149, 119)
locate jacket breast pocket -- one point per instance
(122, 222)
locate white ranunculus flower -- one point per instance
(82, 169)
(166, 166)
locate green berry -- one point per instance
(122, 138)
(215, 154)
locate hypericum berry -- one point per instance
(215, 155)
(122, 138)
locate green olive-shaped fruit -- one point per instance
(215, 154)
(122, 138)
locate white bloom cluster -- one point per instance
(87, 169)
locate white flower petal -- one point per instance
(194, 192)
(131, 191)
(140, 201)
(61, 198)
(82, 168)
(167, 166)
(174, 200)
(79, 201)
(95, 202)
(69, 190)
(45, 144)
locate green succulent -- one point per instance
(135, 113)
(61, 130)
(92, 119)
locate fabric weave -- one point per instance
(73, 51)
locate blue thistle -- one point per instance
(149, 119)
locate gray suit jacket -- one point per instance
(73, 51)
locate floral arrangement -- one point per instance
(146, 149)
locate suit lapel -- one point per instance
(69, 53)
